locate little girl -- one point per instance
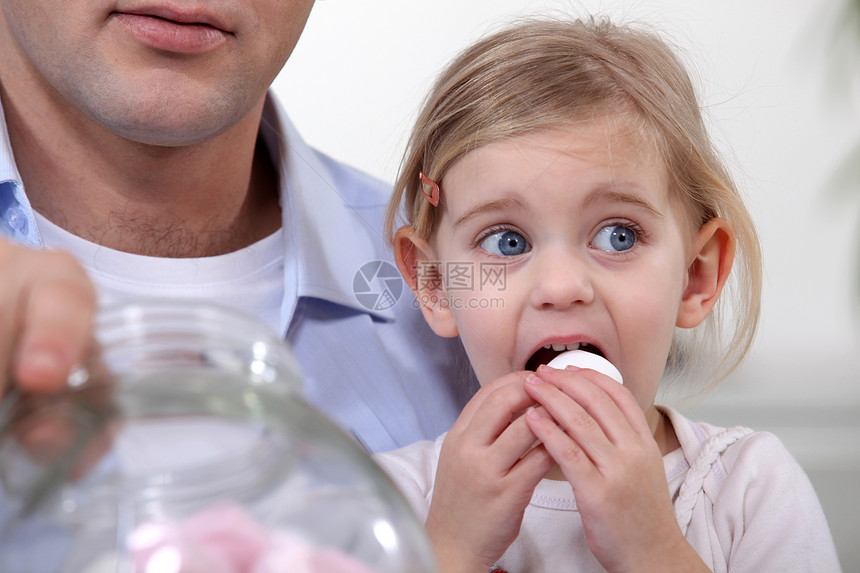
(560, 192)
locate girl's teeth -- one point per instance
(563, 347)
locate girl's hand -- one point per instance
(488, 469)
(597, 433)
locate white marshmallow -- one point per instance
(584, 359)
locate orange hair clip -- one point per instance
(425, 182)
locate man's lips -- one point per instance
(184, 16)
(169, 31)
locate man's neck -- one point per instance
(199, 200)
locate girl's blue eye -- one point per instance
(614, 239)
(505, 244)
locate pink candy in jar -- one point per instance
(225, 539)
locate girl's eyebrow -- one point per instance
(489, 207)
(610, 194)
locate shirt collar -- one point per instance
(332, 215)
(8, 170)
(16, 215)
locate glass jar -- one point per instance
(184, 446)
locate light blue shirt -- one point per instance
(370, 364)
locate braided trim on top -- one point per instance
(700, 469)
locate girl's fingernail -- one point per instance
(534, 414)
(543, 368)
(572, 367)
(532, 379)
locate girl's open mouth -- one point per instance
(547, 353)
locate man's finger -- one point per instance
(56, 323)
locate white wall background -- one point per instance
(362, 67)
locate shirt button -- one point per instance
(17, 219)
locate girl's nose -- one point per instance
(561, 280)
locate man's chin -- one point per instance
(170, 127)
(168, 111)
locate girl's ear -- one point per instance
(420, 270)
(714, 250)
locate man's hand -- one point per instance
(47, 303)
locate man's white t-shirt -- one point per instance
(250, 279)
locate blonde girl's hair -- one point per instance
(542, 74)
